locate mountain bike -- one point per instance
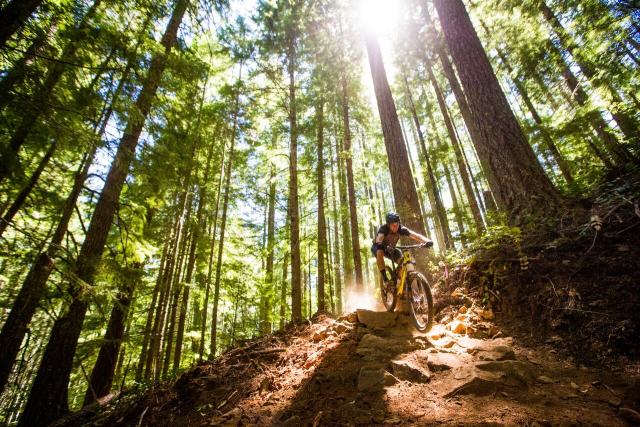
(411, 285)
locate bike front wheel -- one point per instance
(420, 301)
(389, 298)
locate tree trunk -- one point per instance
(336, 239)
(347, 261)
(406, 197)
(14, 15)
(103, 371)
(195, 238)
(294, 238)
(211, 254)
(353, 213)
(551, 146)
(28, 298)
(432, 189)
(271, 224)
(146, 336)
(21, 69)
(15, 207)
(523, 187)
(461, 99)
(457, 150)
(322, 233)
(40, 101)
(177, 282)
(223, 220)
(626, 122)
(48, 399)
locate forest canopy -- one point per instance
(179, 176)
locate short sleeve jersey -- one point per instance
(391, 239)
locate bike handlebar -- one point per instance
(411, 246)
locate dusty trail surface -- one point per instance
(373, 368)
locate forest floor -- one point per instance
(538, 330)
(372, 368)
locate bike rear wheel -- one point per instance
(389, 298)
(420, 301)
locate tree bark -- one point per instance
(450, 74)
(28, 298)
(271, 224)
(211, 254)
(551, 146)
(353, 212)
(17, 204)
(626, 122)
(48, 399)
(406, 197)
(457, 150)
(336, 239)
(40, 102)
(104, 370)
(432, 189)
(522, 185)
(13, 17)
(223, 219)
(294, 238)
(322, 233)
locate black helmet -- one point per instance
(392, 217)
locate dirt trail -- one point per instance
(373, 368)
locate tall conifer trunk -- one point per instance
(48, 398)
(28, 298)
(432, 189)
(39, 105)
(353, 212)
(550, 145)
(103, 371)
(407, 202)
(14, 15)
(322, 234)
(520, 184)
(223, 219)
(294, 214)
(457, 150)
(625, 121)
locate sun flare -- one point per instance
(379, 16)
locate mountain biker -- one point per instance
(384, 244)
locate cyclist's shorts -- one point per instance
(394, 254)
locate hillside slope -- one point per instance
(372, 368)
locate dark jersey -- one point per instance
(390, 239)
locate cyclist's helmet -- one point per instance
(392, 217)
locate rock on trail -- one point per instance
(373, 368)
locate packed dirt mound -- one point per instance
(578, 289)
(372, 368)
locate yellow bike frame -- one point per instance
(406, 260)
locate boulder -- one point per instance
(487, 378)
(409, 370)
(444, 361)
(512, 372)
(340, 327)
(457, 327)
(545, 379)
(377, 319)
(496, 353)
(374, 378)
(477, 383)
(373, 347)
